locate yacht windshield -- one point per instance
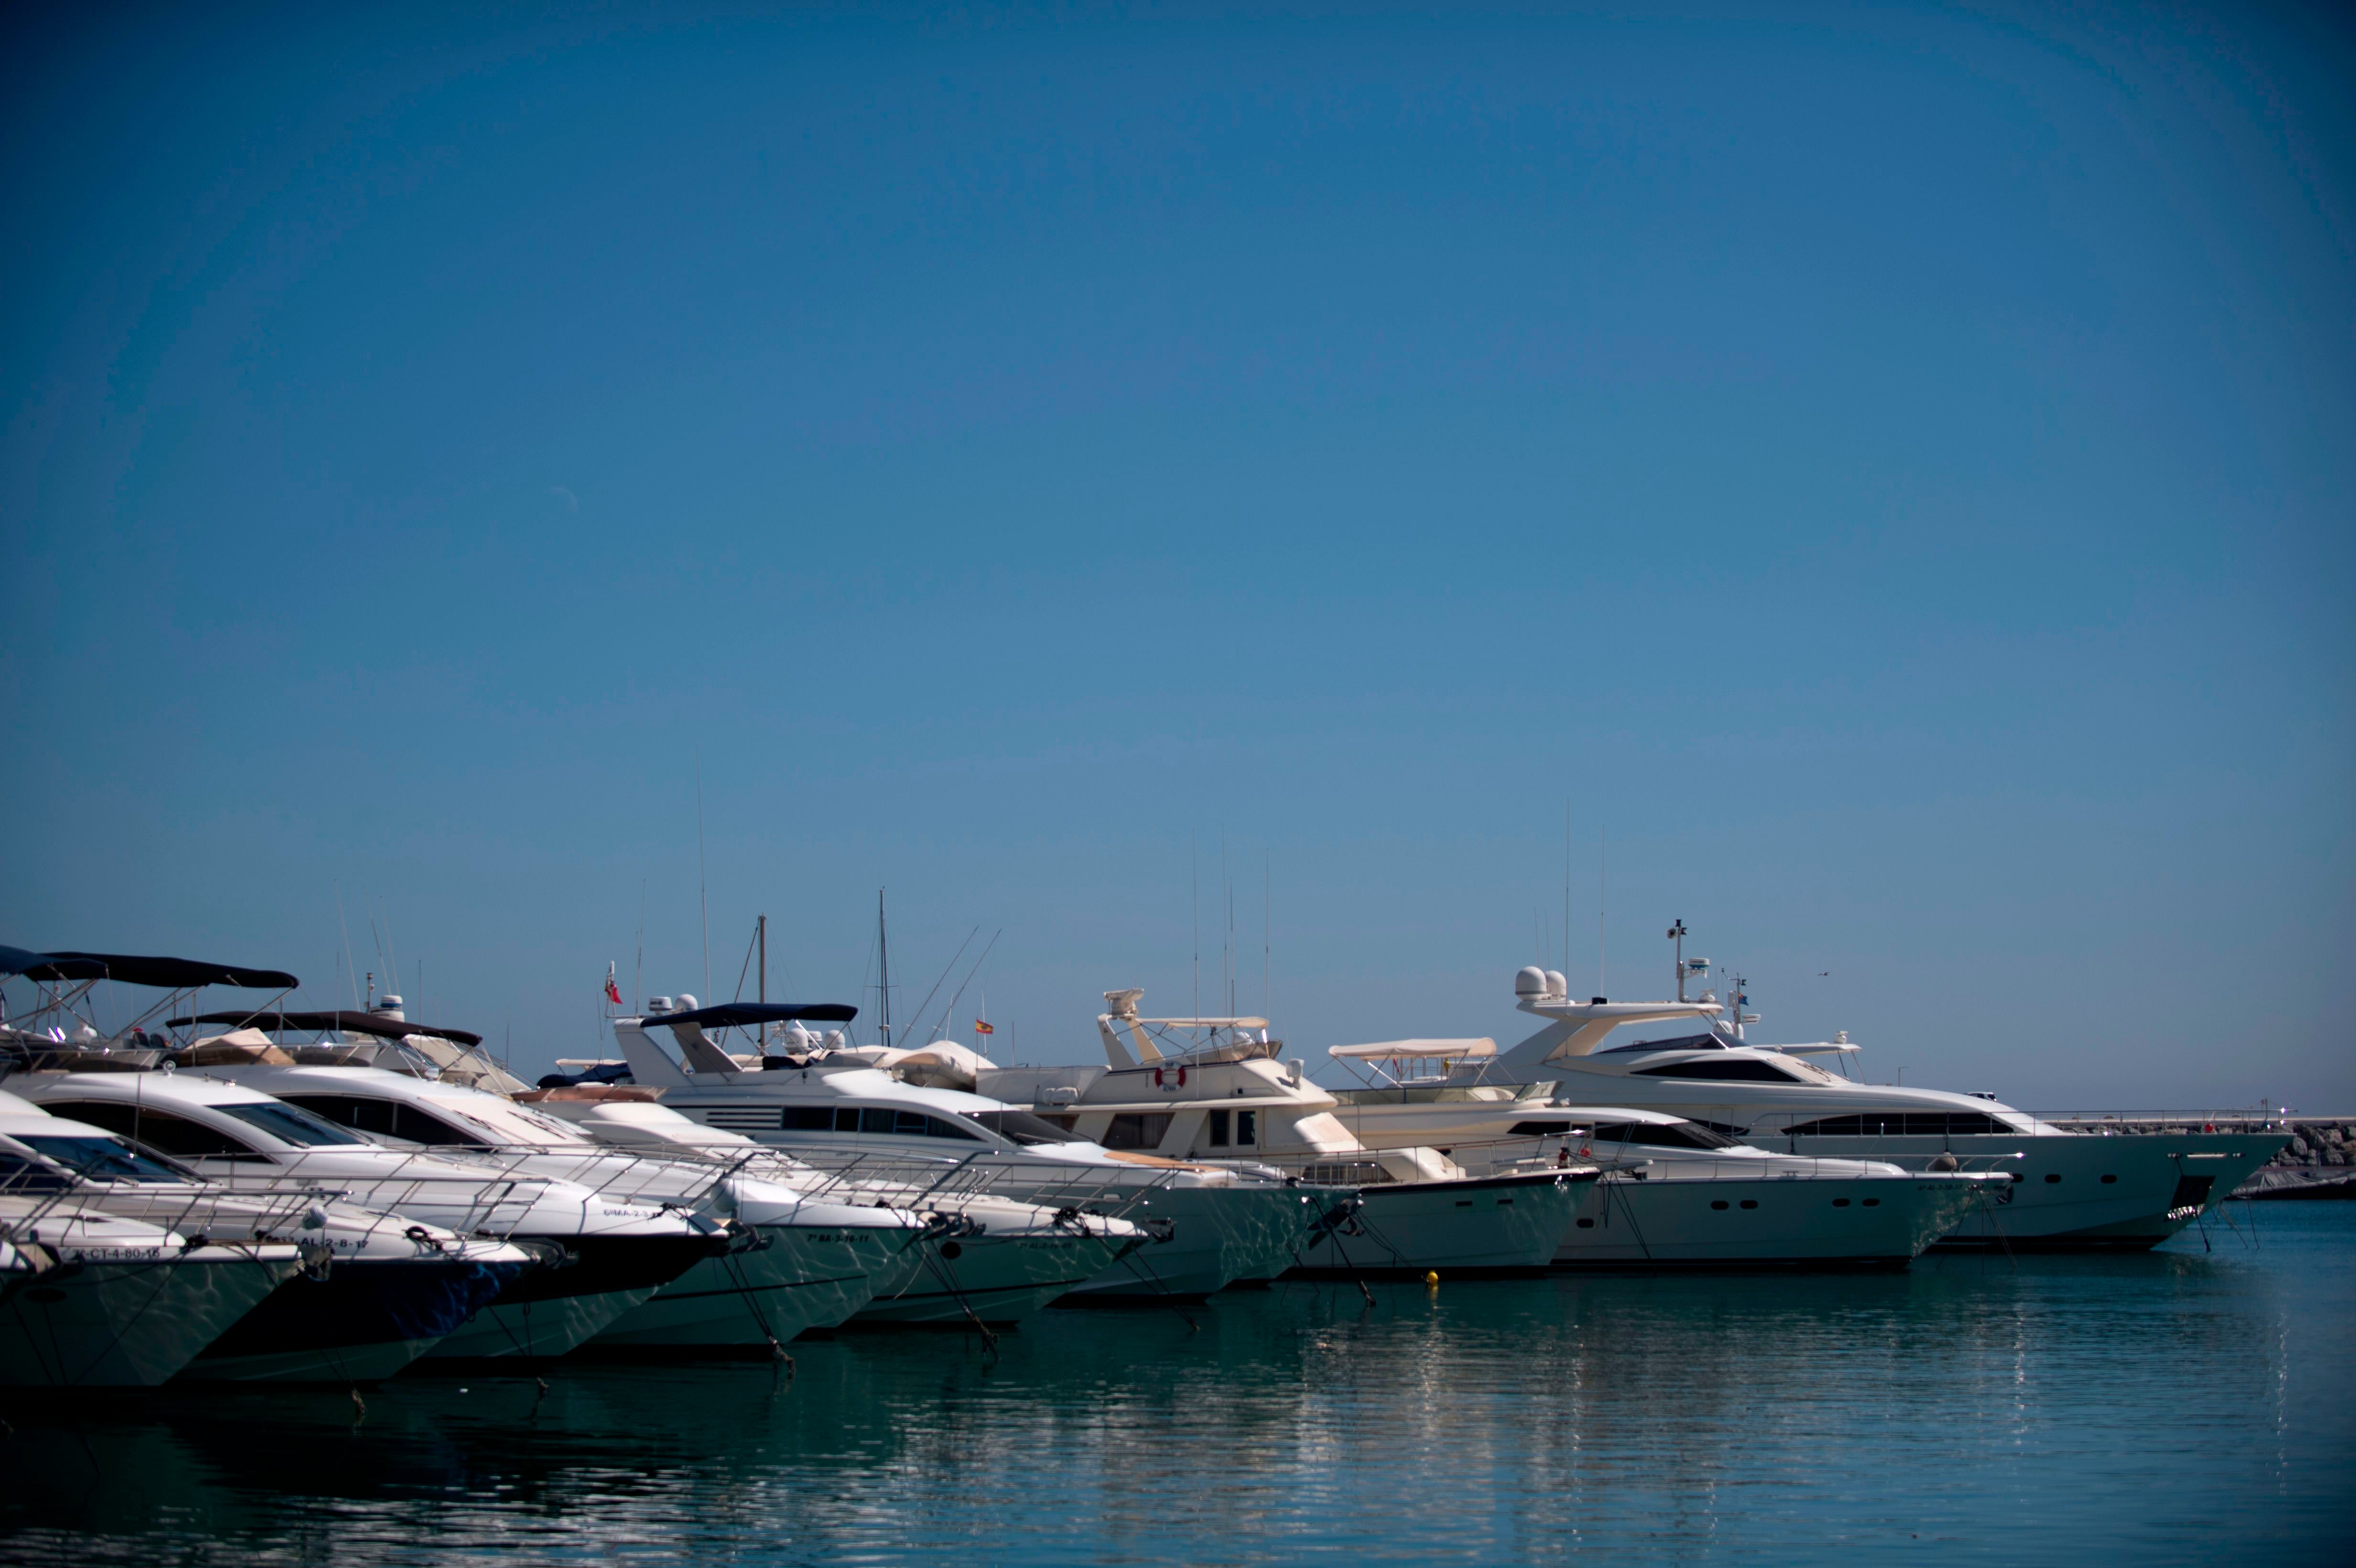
(1022, 1128)
(106, 1159)
(291, 1124)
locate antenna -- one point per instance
(883, 977)
(761, 929)
(1267, 903)
(1676, 932)
(639, 976)
(1195, 880)
(1600, 988)
(351, 971)
(1566, 886)
(702, 903)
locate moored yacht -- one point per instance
(2073, 1192)
(89, 1299)
(1215, 1089)
(1674, 1193)
(1211, 1225)
(376, 1290)
(606, 1256)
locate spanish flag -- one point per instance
(981, 1028)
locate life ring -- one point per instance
(1181, 1078)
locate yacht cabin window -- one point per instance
(101, 1159)
(1896, 1124)
(1022, 1127)
(385, 1118)
(1142, 1130)
(1733, 1070)
(291, 1124)
(1246, 1128)
(1218, 1129)
(158, 1129)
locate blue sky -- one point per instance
(1885, 471)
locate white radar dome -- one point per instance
(1556, 985)
(1530, 982)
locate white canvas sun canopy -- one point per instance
(1414, 1049)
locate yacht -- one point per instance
(2071, 1191)
(606, 1256)
(971, 1250)
(376, 1290)
(816, 1259)
(1202, 1089)
(1674, 1193)
(91, 1300)
(823, 1100)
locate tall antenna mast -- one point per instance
(701, 901)
(761, 927)
(883, 955)
(1195, 880)
(1676, 932)
(1600, 988)
(1566, 886)
(1267, 903)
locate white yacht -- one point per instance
(1214, 1089)
(825, 1101)
(91, 1300)
(2073, 1192)
(607, 1255)
(1674, 1193)
(816, 1259)
(376, 1292)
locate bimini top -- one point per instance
(1415, 1050)
(16, 961)
(163, 973)
(347, 1021)
(729, 1014)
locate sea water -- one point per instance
(2197, 1403)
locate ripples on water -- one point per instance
(2177, 1406)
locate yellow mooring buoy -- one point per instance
(1432, 1278)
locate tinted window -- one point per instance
(808, 1119)
(158, 1129)
(1538, 1129)
(1247, 1127)
(106, 1159)
(293, 1125)
(381, 1118)
(1219, 1129)
(1736, 1069)
(1022, 1127)
(1144, 1130)
(1894, 1124)
(20, 1175)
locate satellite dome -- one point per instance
(1556, 985)
(687, 1002)
(1530, 982)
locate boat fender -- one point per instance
(1942, 1160)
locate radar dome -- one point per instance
(1530, 982)
(1556, 985)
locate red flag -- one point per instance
(613, 992)
(981, 1028)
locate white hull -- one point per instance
(995, 1279)
(806, 1277)
(1218, 1235)
(125, 1325)
(1721, 1220)
(535, 1330)
(2138, 1208)
(1495, 1224)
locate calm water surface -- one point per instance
(2183, 1405)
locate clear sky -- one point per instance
(1884, 472)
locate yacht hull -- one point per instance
(363, 1322)
(554, 1309)
(2078, 1192)
(1490, 1224)
(127, 1323)
(1218, 1235)
(995, 1279)
(1767, 1221)
(803, 1277)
